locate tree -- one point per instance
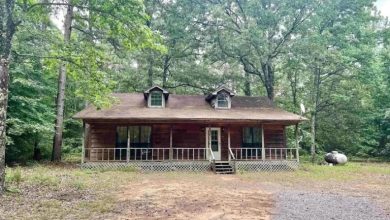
(329, 56)
(119, 26)
(256, 33)
(98, 25)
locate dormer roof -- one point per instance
(218, 90)
(154, 88)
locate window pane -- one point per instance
(214, 145)
(140, 136)
(256, 135)
(156, 99)
(222, 101)
(145, 134)
(251, 137)
(247, 135)
(214, 140)
(214, 135)
(134, 134)
(121, 137)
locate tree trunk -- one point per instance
(150, 71)
(247, 85)
(7, 30)
(165, 71)
(37, 151)
(57, 142)
(268, 74)
(316, 99)
(313, 138)
(4, 78)
(293, 79)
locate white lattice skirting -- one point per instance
(271, 165)
(197, 166)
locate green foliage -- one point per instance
(14, 176)
(333, 57)
(32, 91)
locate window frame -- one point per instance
(129, 137)
(227, 98)
(150, 99)
(252, 144)
(117, 134)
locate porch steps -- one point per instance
(223, 167)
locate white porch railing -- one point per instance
(189, 153)
(270, 153)
(161, 154)
(144, 154)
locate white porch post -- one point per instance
(83, 144)
(296, 142)
(262, 143)
(128, 145)
(170, 145)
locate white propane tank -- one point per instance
(336, 158)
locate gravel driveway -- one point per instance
(294, 204)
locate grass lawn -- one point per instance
(50, 191)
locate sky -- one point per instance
(382, 5)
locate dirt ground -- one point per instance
(205, 196)
(57, 192)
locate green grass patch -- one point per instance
(102, 205)
(74, 157)
(14, 176)
(312, 173)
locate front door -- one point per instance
(213, 140)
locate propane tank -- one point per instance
(336, 158)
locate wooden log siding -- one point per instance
(103, 135)
(160, 139)
(274, 137)
(188, 136)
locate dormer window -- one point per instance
(156, 99)
(222, 100)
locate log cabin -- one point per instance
(156, 130)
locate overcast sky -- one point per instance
(382, 5)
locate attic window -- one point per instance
(222, 101)
(156, 99)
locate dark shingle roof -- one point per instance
(190, 107)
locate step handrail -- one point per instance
(212, 159)
(212, 154)
(231, 153)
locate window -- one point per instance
(121, 137)
(156, 99)
(222, 101)
(214, 140)
(121, 142)
(251, 137)
(139, 136)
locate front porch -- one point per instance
(188, 146)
